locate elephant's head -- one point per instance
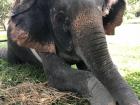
(66, 14)
(35, 19)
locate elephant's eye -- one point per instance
(60, 17)
(66, 24)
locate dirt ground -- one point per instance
(126, 34)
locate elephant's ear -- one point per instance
(107, 6)
(115, 17)
(22, 6)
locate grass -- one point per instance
(126, 58)
(3, 44)
(20, 78)
(3, 37)
(134, 81)
(11, 75)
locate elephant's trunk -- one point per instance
(90, 44)
(89, 34)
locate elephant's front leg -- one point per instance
(90, 44)
(62, 76)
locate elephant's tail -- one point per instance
(3, 53)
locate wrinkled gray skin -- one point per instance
(98, 78)
(90, 45)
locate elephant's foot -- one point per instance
(99, 95)
(90, 88)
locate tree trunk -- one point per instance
(4, 27)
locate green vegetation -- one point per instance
(133, 6)
(3, 36)
(133, 1)
(127, 59)
(3, 45)
(5, 6)
(11, 75)
(134, 81)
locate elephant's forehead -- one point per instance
(72, 3)
(73, 7)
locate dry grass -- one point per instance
(26, 85)
(33, 94)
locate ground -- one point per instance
(28, 82)
(124, 47)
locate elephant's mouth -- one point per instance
(109, 29)
(21, 38)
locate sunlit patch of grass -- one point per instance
(11, 75)
(3, 44)
(134, 81)
(126, 57)
(3, 36)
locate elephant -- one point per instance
(58, 33)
